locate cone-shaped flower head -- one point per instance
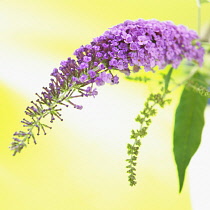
(146, 43)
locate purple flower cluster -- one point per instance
(146, 43)
(126, 47)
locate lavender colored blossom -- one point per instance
(92, 73)
(83, 78)
(86, 59)
(105, 77)
(126, 47)
(99, 81)
(115, 80)
(91, 92)
(83, 65)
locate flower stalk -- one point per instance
(144, 119)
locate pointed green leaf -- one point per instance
(189, 122)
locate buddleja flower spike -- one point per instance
(126, 47)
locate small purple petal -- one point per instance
(92, 73)
(115, 80)
(83, 78)
(83, 65)
(99, 81)
(87, 59)
(101, 66)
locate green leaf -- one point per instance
(189, 122)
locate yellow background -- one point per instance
(80, 164)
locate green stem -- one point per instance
(195, 69)
(147, 115)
